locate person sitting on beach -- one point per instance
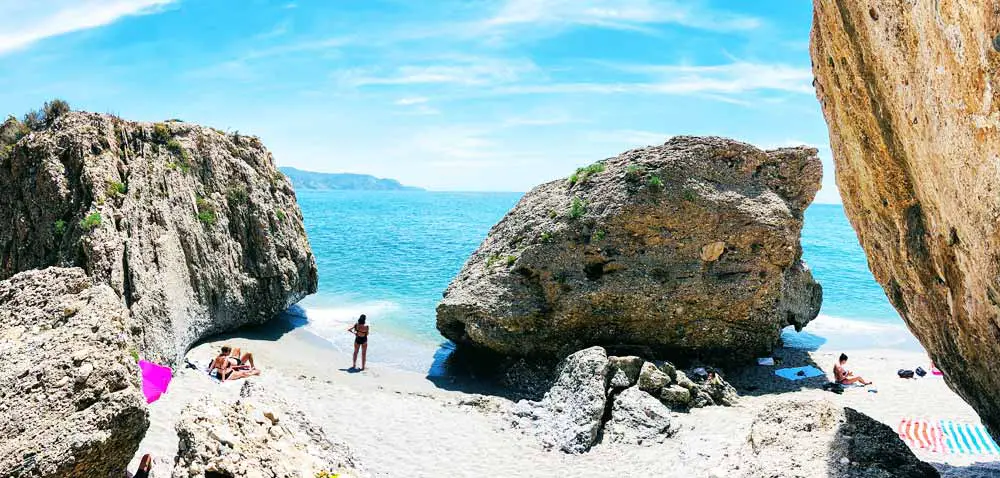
(231, 364)
(360, 331)
(844, 376)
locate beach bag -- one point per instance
(834, 387)
(905, 373)
(920, 372)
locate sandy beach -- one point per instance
(400, 423)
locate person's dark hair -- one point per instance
(361, 320)
(843, 357)
(146, 463)
(226, 349)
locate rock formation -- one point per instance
(805, 439)
(910, 93)
(194, 228)
(570, 415)
(253, 435)
(690, 248)
(627, 398)
(70, 398)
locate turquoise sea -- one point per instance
(390, 255)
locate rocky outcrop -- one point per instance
(70, 398)
(805, 439)
(627, 398)
(690, 249)
(910, 93)
(255, 434)
(194, 228)
(570, 415)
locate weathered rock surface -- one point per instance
(637, 419)
(652, 380)
(910, 93)
(807, 439)
(194, 228)
(70, 398)
(256, 434)
(569, 417)
(629, 254)
(625, 371)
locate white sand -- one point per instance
(401, 424)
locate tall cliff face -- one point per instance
(690, 248)
(910, 91)
(194, 228)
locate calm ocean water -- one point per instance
(391, 254)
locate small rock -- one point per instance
(675, 396)
(711, 252)
(652, 380)
(273, 417)
(684, 381)
(624, 371)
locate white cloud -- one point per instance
(25, 22)
(629, 138)
(413, 100)
(616, 14)
(729, 82)
(469, 72)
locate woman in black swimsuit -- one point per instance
(360, 331)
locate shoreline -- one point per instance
(388, 415)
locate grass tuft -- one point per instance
(578, 208)
(582, 174)
(91, 221)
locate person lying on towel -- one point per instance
(844, 376)
(231, 364)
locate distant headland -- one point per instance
(341, 182)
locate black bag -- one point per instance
(920, 372)
(905, 373)
(834, 387)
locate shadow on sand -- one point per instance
(271, 330)
(472, 371)
(760, 380)
(975, 470)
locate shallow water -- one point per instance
(391, 254)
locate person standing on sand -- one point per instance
(844, 376)
(360, 331)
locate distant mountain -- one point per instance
(341, 182)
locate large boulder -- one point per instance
(690, 249)
(70, 397)
(255, 434)
(570, 416)
(194, 228)
(637, 419)
(909, 91)
(806, 439)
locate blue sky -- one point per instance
(449, 94)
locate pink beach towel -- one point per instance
(155, 379)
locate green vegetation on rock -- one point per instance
(59, 227)
(581, 174)
(91, 221)
(206, 211)
(116, 188)
(655, 181)
(578, 208)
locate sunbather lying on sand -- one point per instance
(844, 376)
(231, 364)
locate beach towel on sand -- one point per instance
(947, 437)
(155, 379)
(793, 373)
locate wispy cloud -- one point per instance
(616, 14)
(728, 82)
(412, 100)
(25, 22)
(630, 137)
(469, 72)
